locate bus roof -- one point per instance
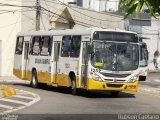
(82, 31)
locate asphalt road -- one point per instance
(60, 101)
(153, 80)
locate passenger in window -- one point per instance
(65, 52)
(45, 46)
(75, 46)
(19, 46)
(36, 45)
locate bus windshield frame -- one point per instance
(115, 54)
(115, 36)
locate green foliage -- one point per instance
(131, 6)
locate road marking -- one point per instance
(6, 106)
(20, 93)
(13, 101)
(20, 96)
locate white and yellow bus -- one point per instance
(91, 59)
(143, 62)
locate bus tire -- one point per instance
(73, 87)
(34, 81)
(142, 78)
(114, 93)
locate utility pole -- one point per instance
(38, 14)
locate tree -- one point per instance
(131, 6)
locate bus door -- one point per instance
(25, 57)
(55, 58)
(83, 64)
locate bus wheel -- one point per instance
(73, 87)
(114, 93)
(34, 81)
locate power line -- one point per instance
(68, 19)
(13, 11)
(88, 25)
(14, 5)
(21, 0)
(85, 14)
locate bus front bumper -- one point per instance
(112, 86)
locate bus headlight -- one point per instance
(133, 79)
(96, 77)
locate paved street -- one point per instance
(19, 101)
(60, 101)
(153, 80)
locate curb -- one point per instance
(6, 91)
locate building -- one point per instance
(15, 19)
(55, 15)
(98, 5)
(153, 42)
(149, 28)
(10, 24)
(0, 57)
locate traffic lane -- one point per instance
(153, 80)
(155, 75)
(60, 101)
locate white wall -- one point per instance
(98, 5)
(80, 15)
(152, 43)
(66, 1)
(0, 58)
(10, 24)
(101, 5)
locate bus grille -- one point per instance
(115, 85)
(115, 75)
(111, 80)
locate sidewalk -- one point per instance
(6, 90)
(11, 79)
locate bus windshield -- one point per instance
(115, 56)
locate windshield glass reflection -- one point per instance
(115, 56)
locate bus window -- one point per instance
(36, 45)
(46, 46)
(65, 50)
(143, 55)
(19, 45)
(75, 46)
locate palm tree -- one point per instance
(131, 6)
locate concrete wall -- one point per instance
(153, 42)
(10, 24)
(98, 5)
(95, 19)
(0, 57)
(151, 33)
(82, 17)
